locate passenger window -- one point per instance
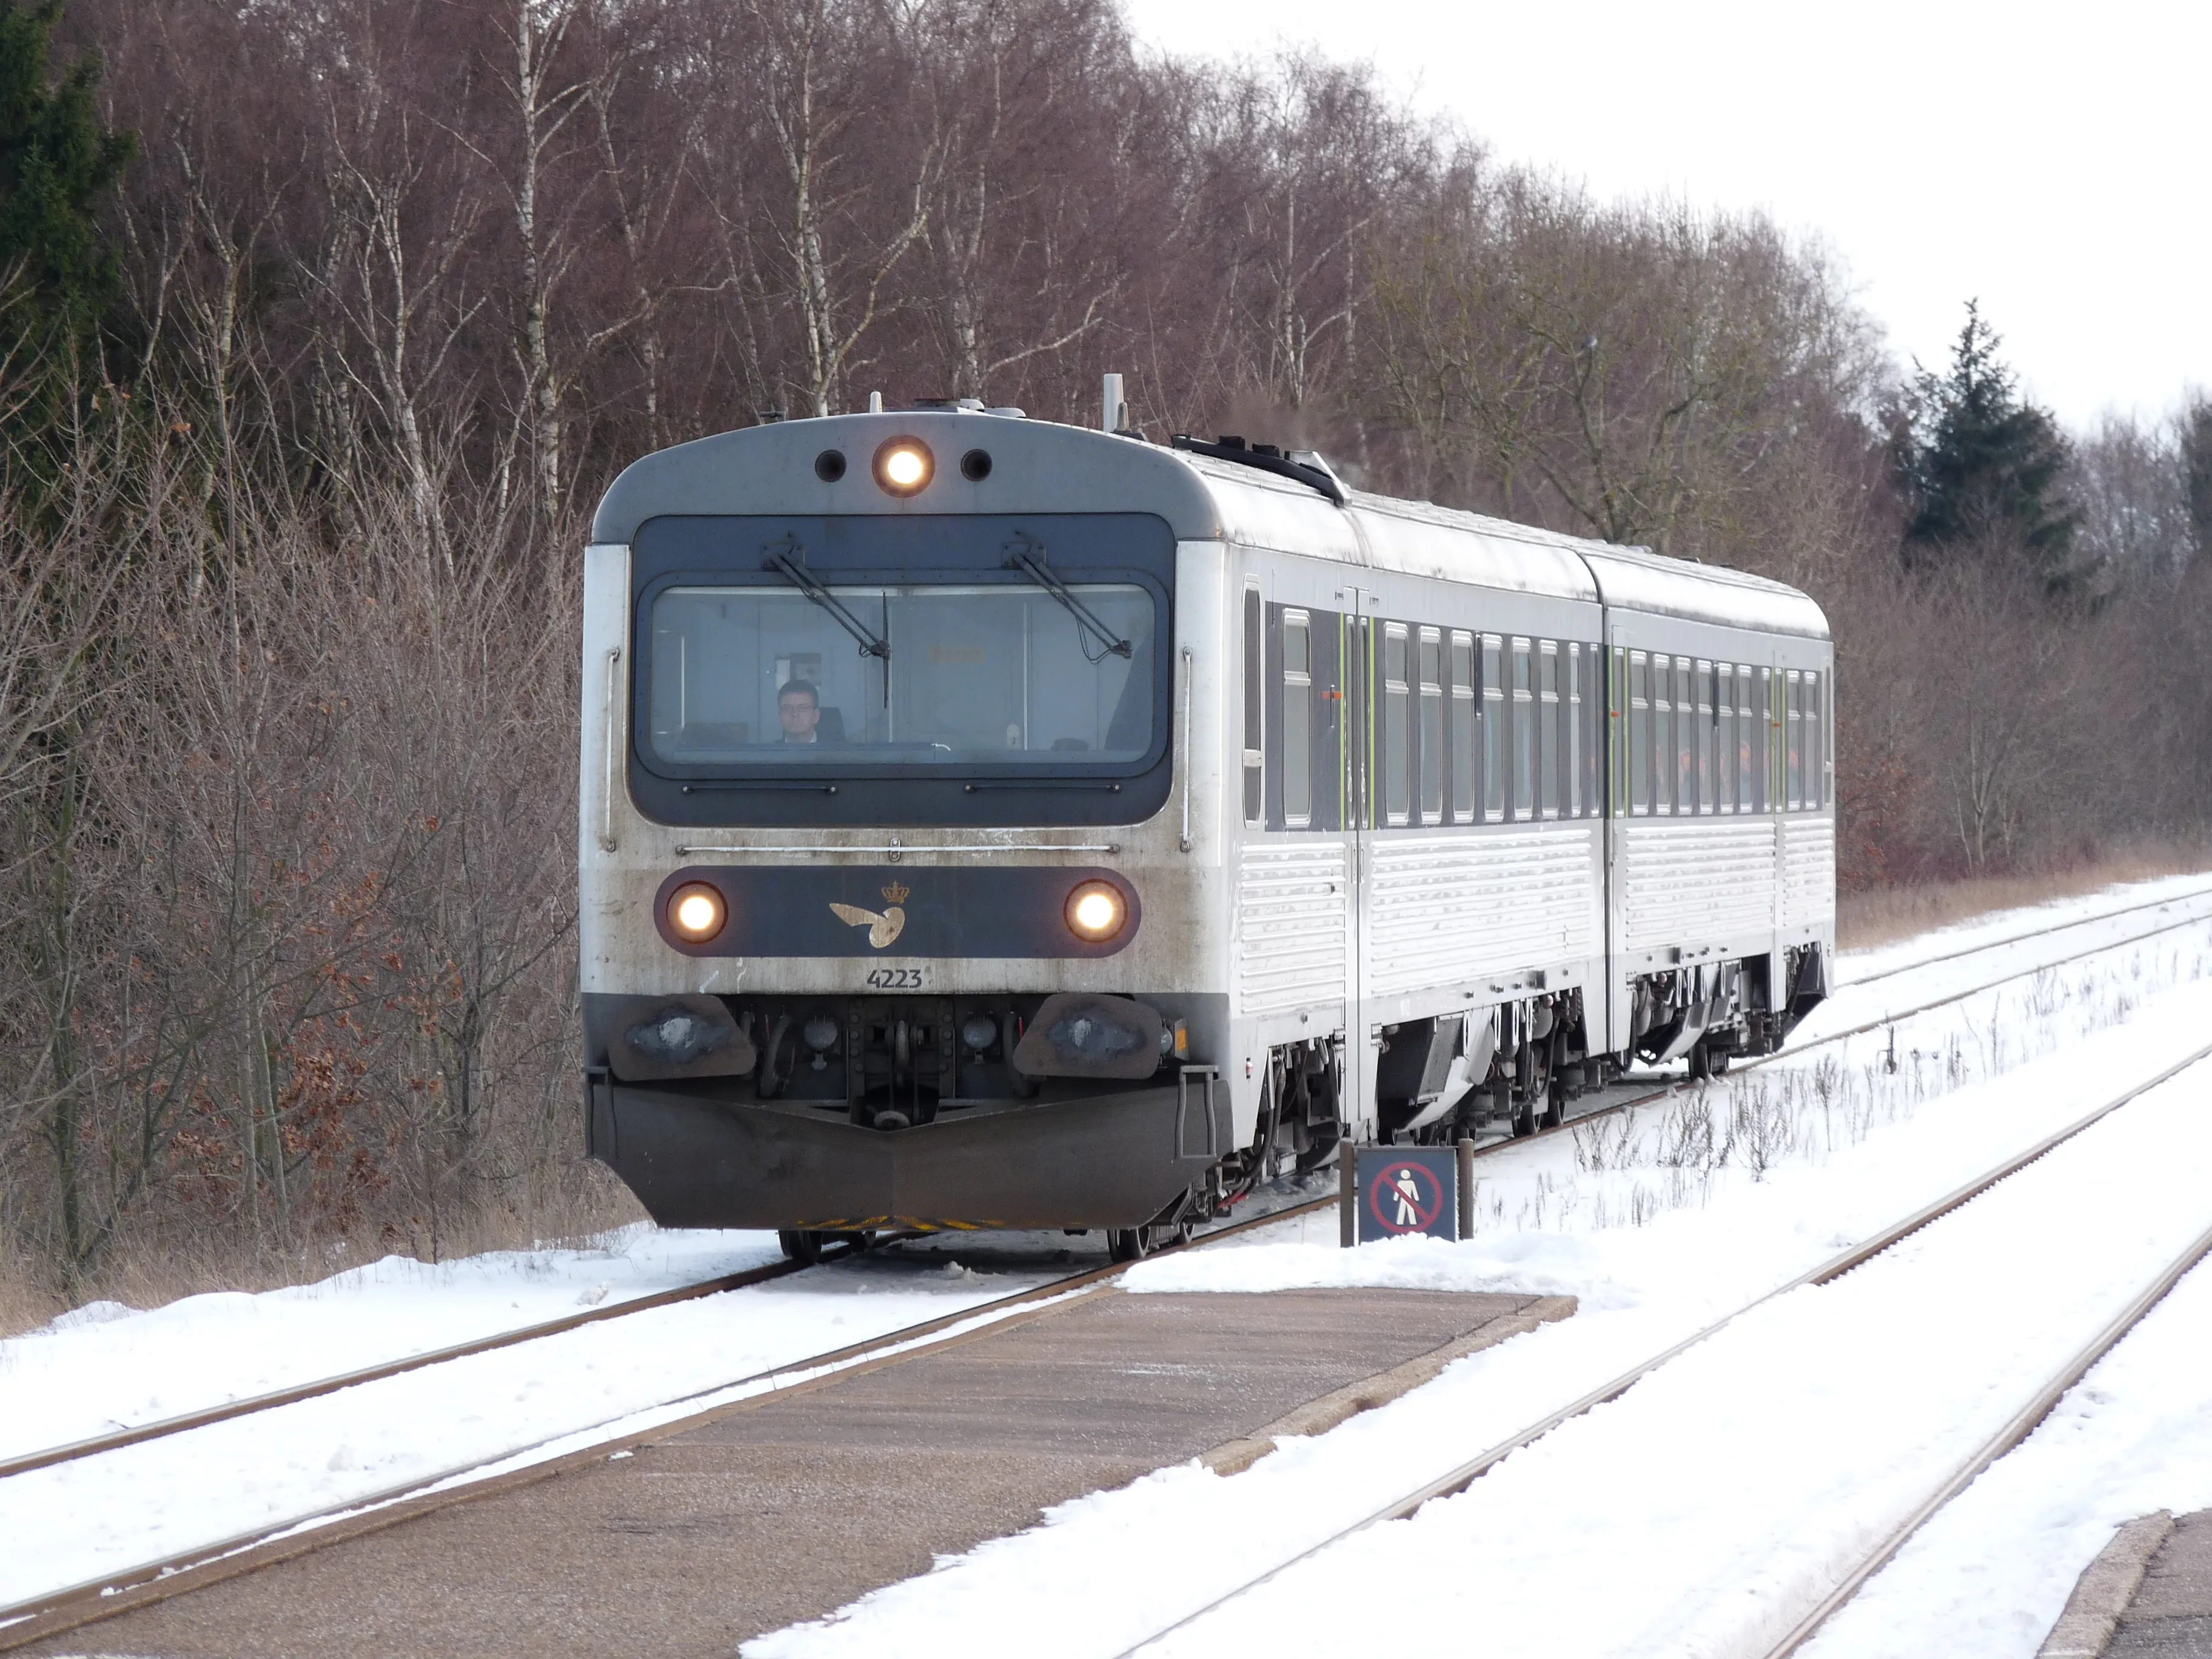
(1639, 734)
(1724, 736)
(1463, 706)
(1524, 736)
(1571, 730)
(1255, 670)
(1547, 728)
(1612, 731)
(1432, 665)
(1703, 738)
(1494, 729)
(1662, 734)
(1816, 775)
(1397, 728)
(1747, 740)
(1298, 720)
(1796, 743)
(1686, 739)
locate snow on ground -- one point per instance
(1660, 1220)
(76, 1522)
(1999, 927)
(1719, 1493)
(105, 1367)
(1990, 1575)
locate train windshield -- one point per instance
(924, 676)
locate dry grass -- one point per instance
(1887, 914)
(152, 1276)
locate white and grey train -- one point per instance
(991, 822)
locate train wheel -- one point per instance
(1701, 1062)
(801, 1245)
(1125, 1243)
(1717, 1062)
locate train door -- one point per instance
(1618, 1005)
(1359, 1043)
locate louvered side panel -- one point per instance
(1808, 870)
(1698, 879)
(1450, 909)
(1292, 907)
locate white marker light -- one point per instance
(696, 912)
(1096, 910)
(904, 466)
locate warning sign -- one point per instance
(1408, 1189)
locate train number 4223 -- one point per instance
(895, 979)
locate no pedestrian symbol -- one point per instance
(1408, 1189)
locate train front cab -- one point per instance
(911, 763)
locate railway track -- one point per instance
(176, 1574)
(2015, 1430)
(2113, 914)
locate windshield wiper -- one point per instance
(1020, 556)
(796, 574)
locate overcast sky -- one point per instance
(2054, 162)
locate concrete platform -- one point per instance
(789, 1508)
(2170, 1615)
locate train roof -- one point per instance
(1041, 466)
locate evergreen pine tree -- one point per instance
(1981, 470)
(57, 163)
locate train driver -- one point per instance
(799, 710)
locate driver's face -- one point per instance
(800, 717)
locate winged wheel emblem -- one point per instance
(883, 925)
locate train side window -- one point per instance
(1770, 703)
(1615, 733)
(1571, 734)
(1493, 728)
(1746, 738)
(1702, 738)
(1686, 739)
(1546, 747)
(1601, 772)
(1429, 660)
(1724, 736)
(1298, 720)
(1524, 735)
(1662, 734)
(1794, 743)
(1463, 705)
(1255, 668)
(1397, 727)
(1816, 744)
(1639, 734)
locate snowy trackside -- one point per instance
(75, 1523)
(2121, 904)
(1719, 1492)
(106, 1367)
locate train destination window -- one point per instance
(1639, 734)
(1397, 727)
(1256, 731)
(1463, 705)
(1548, 712)
(762, 677)
(1431, 657)
(1298, 718)
(1524, 736)
(1493, 728)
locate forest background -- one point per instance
(324, 322)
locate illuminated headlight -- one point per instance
(696, 912)
(904, 466)
(1096, 911)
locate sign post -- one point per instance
(1408, 1189)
